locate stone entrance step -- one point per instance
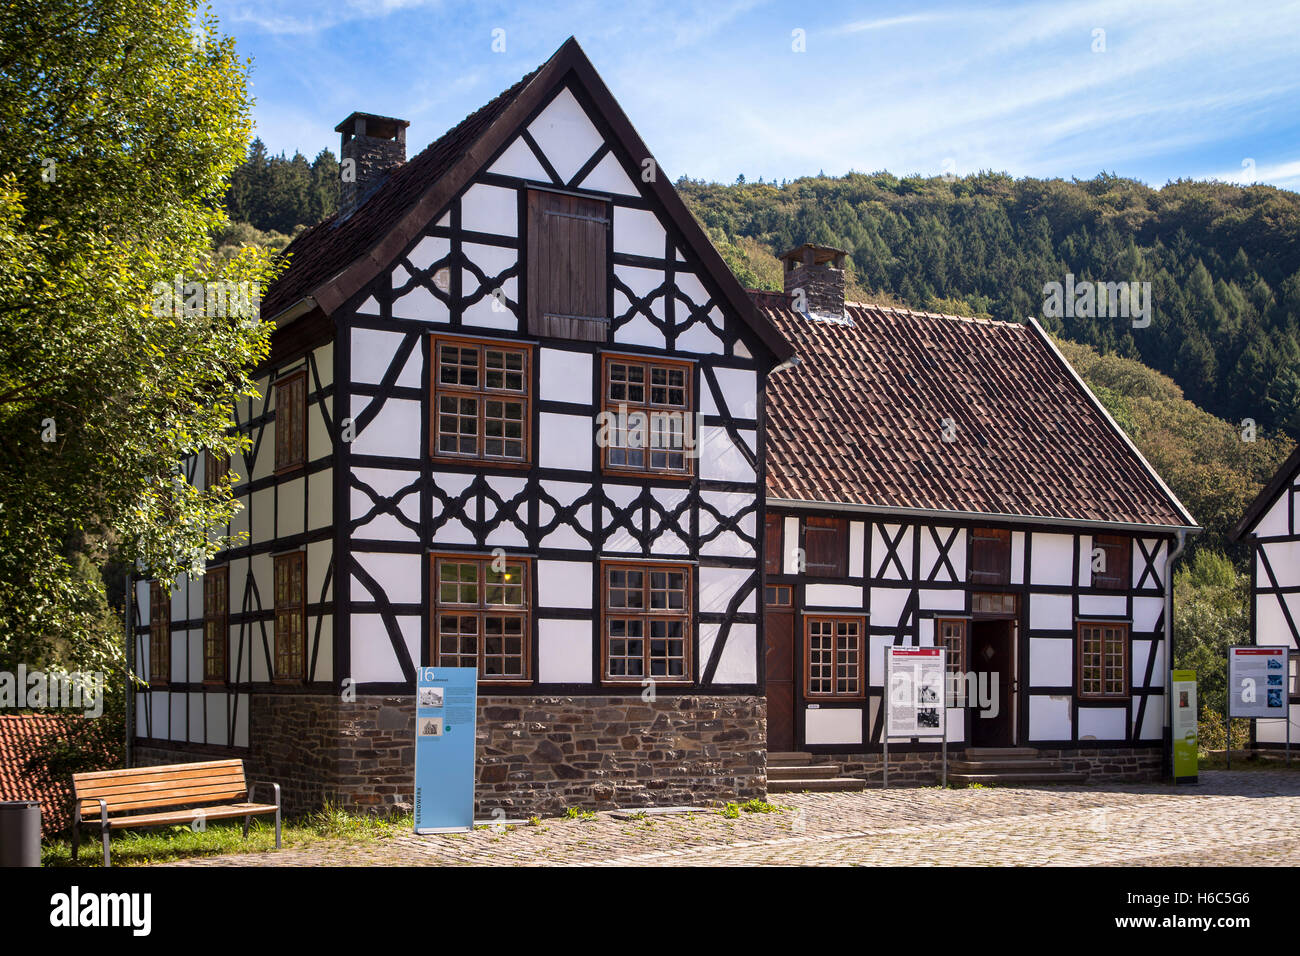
(1007, 766)
(779, 759)
(803, 772)
(796, 772)
(1006, 778)
(820, 784)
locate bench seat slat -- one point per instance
(173, 798)
(166, 769)
(215, 813)
(108, 792)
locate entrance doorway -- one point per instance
(779, 638)
(993, 652)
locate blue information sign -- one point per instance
(446, 704)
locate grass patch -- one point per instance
(1217, 761)
(732, 811)
(167, 844)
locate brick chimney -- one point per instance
(815, 273)
(376, 144)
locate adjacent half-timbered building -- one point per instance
(513, 420)
(1272, 526)
(936, 480)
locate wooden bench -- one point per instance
(115, 798)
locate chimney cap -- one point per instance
(372, 124)
(815, 255)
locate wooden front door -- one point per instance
(781, 672)
(992, 651)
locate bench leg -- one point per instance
(277, 828)
(76, 840)
(107, 861)
(246, 821)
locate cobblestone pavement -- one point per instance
(1238, 818)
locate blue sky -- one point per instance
(1151, 90)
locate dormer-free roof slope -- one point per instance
(861, 421)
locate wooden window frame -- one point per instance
(160, 635)
(291, 456)
(1003, 573)
(216, 626)
(286, 610)
(647, 407)
(778, 595)
(820, 525)
(1110, 581)
(1122, 627)
(480, 610)
(482, 395)
(954, 664)
(862, 648)
(686, 615)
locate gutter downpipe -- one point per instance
(128, 600)
(1169, 651)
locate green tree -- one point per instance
(122, 120)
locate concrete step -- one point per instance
(807, 772)
(996, 753)
(1004, 765)
(788, 759)
(822, 784)
(1013, 779)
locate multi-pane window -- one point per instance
(216, 620)
(1103, 659)
(834, 655)
(290, 617)
(990, 558)
(826, 547)
(481, 615)
(1111, 561)
(480, 400)
(777, 595)
(160, 634)
(647, 622)
(952, 637)
(648, 404)
(291, 421)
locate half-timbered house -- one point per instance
(936, 480)
(512, 420)
(1272, 526)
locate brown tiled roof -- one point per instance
(21, 738)
(324, 250)
(860, 420)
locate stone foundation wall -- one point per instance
(924, 768)
(536, 755)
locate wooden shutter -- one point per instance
(990, 556)
(567, 266)
(1119, 559)
(826, 547)
(773, 535)
(290, 422)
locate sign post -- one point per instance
(1184, 726)
(915, 699)
(446, 708)
(1258, 679)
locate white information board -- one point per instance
(1257, 681)
(915, 704)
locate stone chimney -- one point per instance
(814, 278)
(376, 145)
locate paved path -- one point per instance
(1248, 818)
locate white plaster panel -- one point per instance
(519, 160)
(832, 595)
(320, 499)
(241, 720)
(1052, 557)
(564, 584)
(564, 651)
(1139, 564)
(565, 376)
(838, 725)
(218, 719)
(888, 569)
(1051, 662)
(1146, 612)
(1017, 557)
(394, 432)
(176, 729)
(400, 576)
(290, 507)
(1104, 604)
(565, 135)
(720, 459)
(1102, 723)
(373, 351)
(1153, 720)
(609, 177)
(490, 209)
(739, 387)
(160, 709)
(1049, 717)
(857, 543)
(429, 250)
(325, 647)
(373, 656)
(638, 232)
(934, 600)
(1142, 651)
(739, 661)
(700, 340)
(719, 585)
(1274, 522)
(791, 545)
(887, 606)
(1050, 612)
(565, 441)
(421, 305)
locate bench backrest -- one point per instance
(173, 785)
